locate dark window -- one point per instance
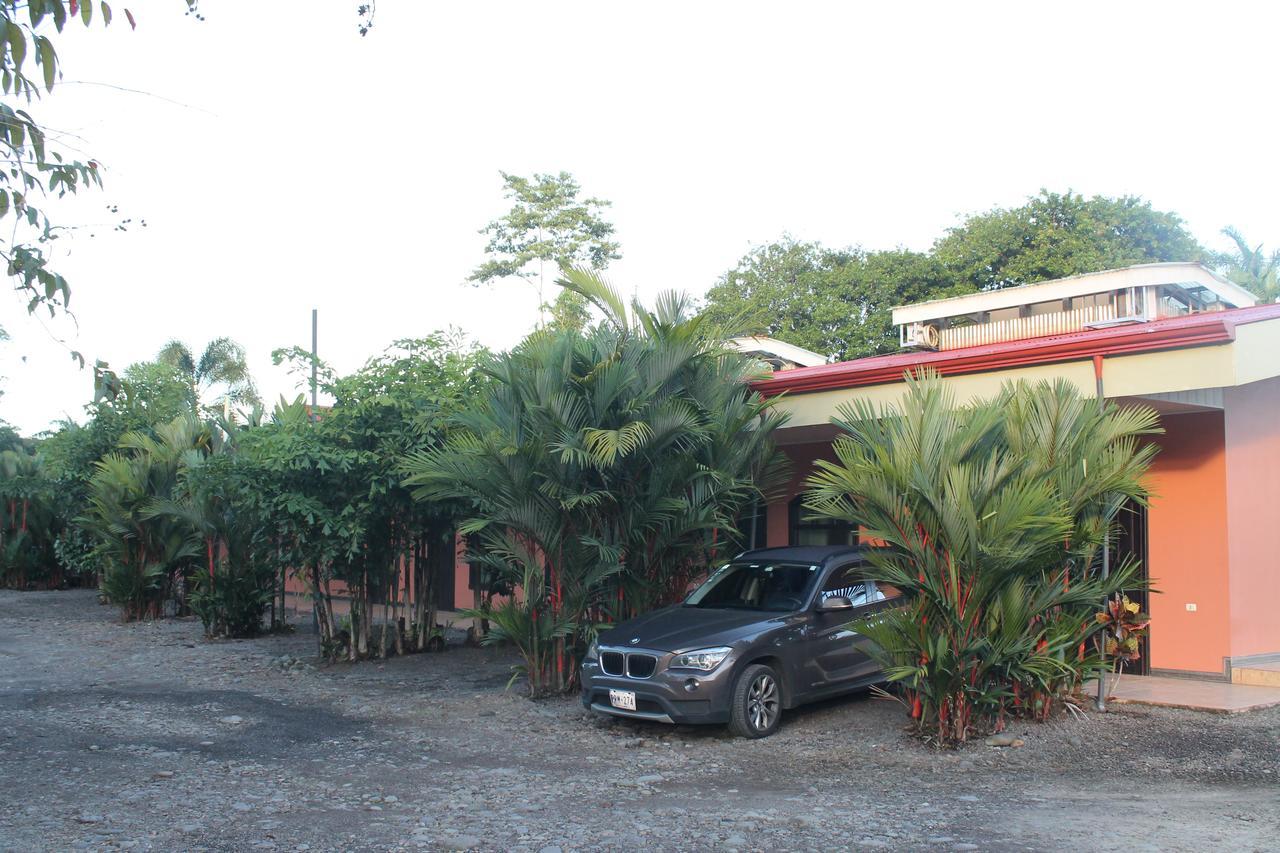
(756, 586)
(848, 582)
(809, 530)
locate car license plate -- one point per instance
(624, 699)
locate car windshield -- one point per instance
(775, 587)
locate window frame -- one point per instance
(797, 522)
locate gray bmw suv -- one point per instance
(767, 631)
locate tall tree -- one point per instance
(1252, 268)
(833, 301)
(547, 224)
(219, 377)
(837, 301)
(1055, 235)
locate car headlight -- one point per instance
(703, 659)
(593, 651)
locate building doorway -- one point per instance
(1131, 543)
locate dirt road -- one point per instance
(146, 737)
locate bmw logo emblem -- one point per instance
(635, 640)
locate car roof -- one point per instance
(812, 554)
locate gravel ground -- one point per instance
(147, 737)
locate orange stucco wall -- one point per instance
(1187, 546)
(1253, 503)
(300, 599)
(1187, 540)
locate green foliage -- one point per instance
(992, 516)
(837, 302)
(154, 392)
(34, 173)
(1252, 268)
(331, 489)
(1057, 235)
(219, 378)
(29, 522)
(548, 223)
(232, 601)
(145, 551)
(569, 312)
(601, 471)
(149, 395)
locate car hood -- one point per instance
(680, 628)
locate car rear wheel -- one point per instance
(757, 702)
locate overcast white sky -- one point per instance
(284, 163)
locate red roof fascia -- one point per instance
(1191, 330)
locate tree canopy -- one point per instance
(837, 302)
(1055, 235)
(547, 223)
(220, 376)
(833, 301)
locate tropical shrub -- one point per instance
(602, 470)
(1124, 626)
(328, 489)
(992, 516)
(232, 601)
(29, 522)
(232, 580)
(144, 550)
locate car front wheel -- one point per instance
(757, 702)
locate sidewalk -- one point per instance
(1219, 697)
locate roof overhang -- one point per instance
(1193, 330)
(1143, 275)
(780, 349)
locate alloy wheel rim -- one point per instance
(762, 702)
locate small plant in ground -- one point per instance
(232, 601)
(1123, 627)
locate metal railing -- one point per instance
(1020, 328)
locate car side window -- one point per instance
(849, 582)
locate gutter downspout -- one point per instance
(1106, 543)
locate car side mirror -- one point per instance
(835, 602)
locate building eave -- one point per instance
(1139, 275)
(1176, 333)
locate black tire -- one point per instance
(756, 708)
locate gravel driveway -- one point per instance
(146, 737)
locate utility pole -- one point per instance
(315, 606)
(314, 358)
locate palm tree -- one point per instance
(219, 378)
(604, 469)
(145, 551)
(993, 517)
(1252, 268)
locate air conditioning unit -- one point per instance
(919, 336)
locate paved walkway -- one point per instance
(1217, 696)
